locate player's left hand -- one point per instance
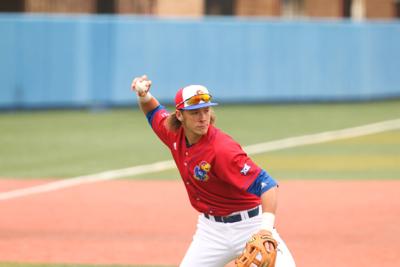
(260, 251)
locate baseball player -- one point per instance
(235, 198)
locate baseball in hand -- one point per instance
(142, 87)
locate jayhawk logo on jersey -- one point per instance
(201, 171)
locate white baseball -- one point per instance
(142, 86)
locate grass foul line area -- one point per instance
(166, 165)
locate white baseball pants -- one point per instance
(215, 244)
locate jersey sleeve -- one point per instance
(234, 166)
(262, 184)
(156, 119)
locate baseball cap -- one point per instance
(193, 97)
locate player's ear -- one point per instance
(179, 115)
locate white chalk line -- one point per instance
(324, 137)
(166, 165)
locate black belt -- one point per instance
(233, 218)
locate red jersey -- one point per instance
(216, 171)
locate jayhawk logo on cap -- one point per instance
(200, 92)
(201, 171)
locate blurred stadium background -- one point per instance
(82, 56)
(267, 51)
(281, 68)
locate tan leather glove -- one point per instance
(260, 251)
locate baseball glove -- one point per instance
(255, 252)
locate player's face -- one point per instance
(196, 122)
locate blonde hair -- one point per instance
(173, 124)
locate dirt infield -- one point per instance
(324, 223)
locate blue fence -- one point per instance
(51, 61)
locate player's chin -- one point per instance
(202, 130)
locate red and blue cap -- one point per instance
(193, 97)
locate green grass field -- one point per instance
(62, 144)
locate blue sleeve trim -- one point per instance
(150, 114)
(262, 184)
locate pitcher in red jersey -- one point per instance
(235, 198)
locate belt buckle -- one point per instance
(233, 218)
